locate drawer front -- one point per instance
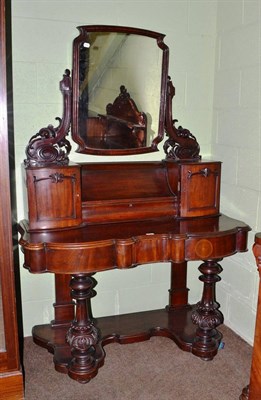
(200, 189)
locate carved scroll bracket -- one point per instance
(49, 145)
(181, 144)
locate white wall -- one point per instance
(236, 142)
(42, 40)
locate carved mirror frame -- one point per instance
(50, 145)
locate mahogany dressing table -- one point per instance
(89, 217)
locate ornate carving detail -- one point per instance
(203, 317)
(82, 337)
(49, 145)
(57, 178)
(181, 144)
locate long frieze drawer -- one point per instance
(101, 255)
(129, 209)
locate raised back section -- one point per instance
(97, 193)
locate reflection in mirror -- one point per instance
(119, 91)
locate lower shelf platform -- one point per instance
(174, 323)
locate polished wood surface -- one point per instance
(80, 252)
(253, 391)
(128, 244)
(11, 379)
(90, 217)
(63, 196)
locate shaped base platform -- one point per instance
(174, 323)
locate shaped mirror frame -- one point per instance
(124, 125)
(120, 78)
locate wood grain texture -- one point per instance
(11, 379)
(253, 391)
(102, 247)
(11, 386)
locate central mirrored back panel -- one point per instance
(119, 90)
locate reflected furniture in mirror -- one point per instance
(11, 378)
(122, 127)
(253, 390)
(88, 217)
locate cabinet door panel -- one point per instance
(200, 189)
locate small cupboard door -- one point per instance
(54, 197)
(200, 189)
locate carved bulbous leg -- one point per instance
(206, 315)
(83, 336)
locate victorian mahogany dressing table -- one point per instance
(91, 217)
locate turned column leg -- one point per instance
(206, 315)
(178, 292)
(83, 336)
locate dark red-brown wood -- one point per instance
(90, 217)
(92, 248)
(253, 390)
(63, 196)
(11, 379)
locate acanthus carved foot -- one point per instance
(206, 315)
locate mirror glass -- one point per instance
(118, 82)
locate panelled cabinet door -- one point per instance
(200, 189)
(54, 197)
